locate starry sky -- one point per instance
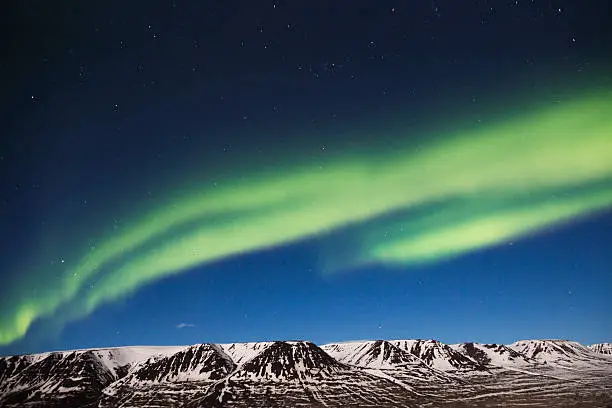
(179, 172)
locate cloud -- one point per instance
(183, 325)
(474, 189)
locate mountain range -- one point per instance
(376, 373)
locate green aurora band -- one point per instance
(456, 194)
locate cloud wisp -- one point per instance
(184, 325)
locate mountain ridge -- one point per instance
(385, 373)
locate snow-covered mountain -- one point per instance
(73, 378)
(241, 352)
(384, 359)
(68, 378)
(558, 352)
(283, 361)
(438, 355)
(377, 373)
(170, 379)
(603, 348)
(493, 354)
(372, 354)
(199, 362)
(301, 374)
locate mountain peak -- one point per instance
(242, 352)
(493, 354)
(78, 376)
(551, 347)
(198, 362)
(290, 360)
(371, 354)
(563, 353)
(438, 355)
(602, 348)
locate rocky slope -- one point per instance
(559, 353)
(439, 355)
(493, 355)
(603, 348)
(380, 373)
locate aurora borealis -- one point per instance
(304, 150)
(497, 180)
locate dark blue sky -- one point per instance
(552, 286)
(112, 109)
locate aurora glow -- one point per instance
(497, 183)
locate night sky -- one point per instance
(180, 172)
